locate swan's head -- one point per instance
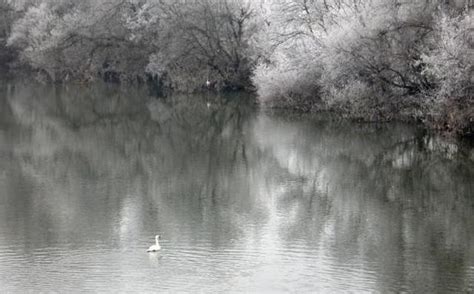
(158, 236)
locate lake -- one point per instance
(246, 199)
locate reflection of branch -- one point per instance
(115, 118)
(391, 148)
(401, 143)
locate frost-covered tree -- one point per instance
(449, 63)
(371, 59)
(80, 39)
(7, 16)
(180, 44)
(205, 40)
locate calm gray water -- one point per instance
(246, 200)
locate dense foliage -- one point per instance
(368, 59)
(374, 59)
(7, 17)
(178, 45)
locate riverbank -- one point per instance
(373, 60)
(454, 119)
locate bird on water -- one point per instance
(156, 247)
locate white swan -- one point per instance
(156, 247)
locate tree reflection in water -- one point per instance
(109, 163)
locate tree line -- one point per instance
(366, 59)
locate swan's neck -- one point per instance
(157, 243)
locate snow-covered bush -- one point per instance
(450, 65)
(450, 62)
(375, 57)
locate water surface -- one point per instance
(245, 200)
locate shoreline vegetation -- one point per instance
(374, 60)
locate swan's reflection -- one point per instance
(155, 258)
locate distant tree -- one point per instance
(205, 40)
(79, 40)
(364, 58)
(179, 44)
(7, 17)
(449, 63)
(370, 59)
